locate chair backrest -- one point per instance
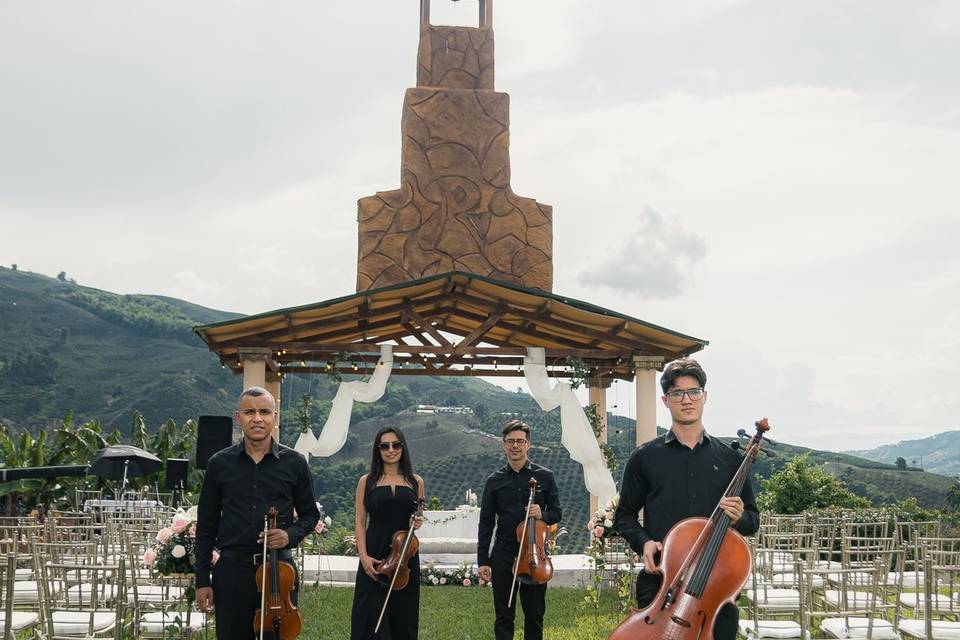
(8, 568)
(940, 587)
(88, 588)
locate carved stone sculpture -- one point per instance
(455, 210)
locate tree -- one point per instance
(902, 463)
(801, 486)
(14, 266)
(62, 276)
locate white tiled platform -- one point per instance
(341, 571)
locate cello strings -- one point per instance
(721, 522)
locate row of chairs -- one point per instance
(836, 578)
(74, 577)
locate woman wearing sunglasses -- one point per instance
(386, 499)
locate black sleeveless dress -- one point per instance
(388, 513)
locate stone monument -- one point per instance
(454, 210)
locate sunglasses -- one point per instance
(386, 446)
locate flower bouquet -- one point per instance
(601, 524)
(463, 576)
(174, 551)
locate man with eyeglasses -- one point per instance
(681, 474)
(504, 504)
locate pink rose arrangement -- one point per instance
(174, 549)
(600, 525)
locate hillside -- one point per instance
(65, 347)
(939, 453)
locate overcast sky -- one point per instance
(778, 177)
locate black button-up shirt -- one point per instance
(504, 504)
(671, 482)
(237, 493)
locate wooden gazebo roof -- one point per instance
(448, 324)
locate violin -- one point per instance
(532, 565)
(394, 570)
(705, 564)
(276, 580)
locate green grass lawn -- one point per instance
(448, 613)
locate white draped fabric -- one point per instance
(577, 434)
(334, 432)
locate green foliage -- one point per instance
(73, 445)
(801, 486)
(434, 504)
(596, 423)
(901, 463)
(30, 368)
(579, 373)
(146, 314)
(304, 412)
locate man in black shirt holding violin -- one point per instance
(241, 484)
(504, 504)
(681, 474)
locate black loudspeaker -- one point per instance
(176, 474)
(213, 434)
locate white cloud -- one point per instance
(216, 151)
(656, 261)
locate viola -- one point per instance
(394, 570)
(532, 565)
(276, 580)
(705, 564)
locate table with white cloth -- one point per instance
(140, 507)
(450, 531)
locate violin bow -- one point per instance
(523, 536)
(403, 552)
(263, 580)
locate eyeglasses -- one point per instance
(515, 442)
(677, 394)
(386, 446)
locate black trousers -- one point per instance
(725, 623)
(236, 598)
(532, 598)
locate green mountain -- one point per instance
(66, 347)
(939, 453)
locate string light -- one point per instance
(303, 363)
(354, 366)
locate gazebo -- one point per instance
(454, 269)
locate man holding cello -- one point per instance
(242, 483)
(506, 496)
(681, 474)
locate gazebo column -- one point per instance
(273, 386)
(597, 395)
(647, 396)
(254, 361)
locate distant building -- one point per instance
(434, 409)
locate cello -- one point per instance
(697, 578)
(394, 567)
(276, 580)
(532, 565)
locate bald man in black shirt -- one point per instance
(681, 474)
(241, 484)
